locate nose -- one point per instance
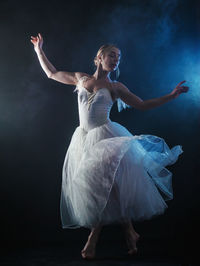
(116, 61)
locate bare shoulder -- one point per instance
(80, 75)
(127, 96)
(119, 88)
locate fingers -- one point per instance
(180, 83)
(182, 89)
(34, 38)
(38, 37)
(185, 89)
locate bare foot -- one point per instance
(131, 239)
(88, 251)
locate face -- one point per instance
(111, 59)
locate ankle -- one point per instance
(92, 239)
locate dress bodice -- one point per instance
(94, 108)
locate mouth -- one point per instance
(113, 65)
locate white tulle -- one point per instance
(121, 105)
(109, 175)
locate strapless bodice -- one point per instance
(94, 108)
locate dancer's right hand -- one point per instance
(37, 42)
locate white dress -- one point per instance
(109, 175)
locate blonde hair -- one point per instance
(102, 50)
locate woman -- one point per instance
(109, 175)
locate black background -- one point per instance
(38, 116)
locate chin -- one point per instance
(112, 69)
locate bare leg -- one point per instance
(88, 251)
(131, 237)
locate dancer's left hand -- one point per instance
(179, 89)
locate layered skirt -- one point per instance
(111, 176)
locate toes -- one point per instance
(87, 255)
(133, 251)
(137, 237)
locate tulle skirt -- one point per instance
(111, 176)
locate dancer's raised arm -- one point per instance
(134, 101)
(70, 78)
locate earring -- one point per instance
(117, 73)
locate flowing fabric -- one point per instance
(110, 175)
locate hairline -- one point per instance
(109, 49)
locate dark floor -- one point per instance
(108, 254)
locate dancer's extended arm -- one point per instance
(65, 77)
(134, 101)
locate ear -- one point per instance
(99, 58)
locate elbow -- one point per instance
(51, 74)
(141, 106)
